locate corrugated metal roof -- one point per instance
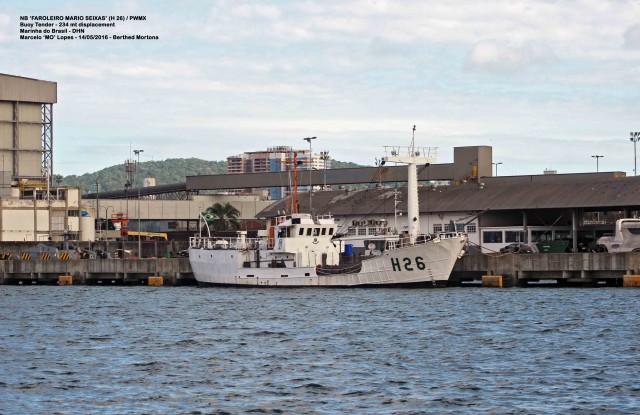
(496, 194)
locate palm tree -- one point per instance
(226, 217)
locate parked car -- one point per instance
(516, 248)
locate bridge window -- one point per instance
(492, 237)
(324, 231)
(316, 231)
(330, 231)
(301, 232)
(309, 230)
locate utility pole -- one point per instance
(496, 164)
(98, 206)
(137, 153)
(635, 137)
(597, 157)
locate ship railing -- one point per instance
(409, 151)
(198, 242)
(447, 235)
(404, 241)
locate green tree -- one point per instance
(226, 217)
(57, 179)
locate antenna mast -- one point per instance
(413, 141)
(412, 157)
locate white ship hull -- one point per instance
(300, 250)
(427, 263)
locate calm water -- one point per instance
(142, 350)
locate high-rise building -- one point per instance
(279, 158)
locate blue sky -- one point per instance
(548, 84)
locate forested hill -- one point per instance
(165, 171)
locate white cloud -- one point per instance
(256, 10)
(632, 37)
(5, 23)
(72, 70)
(154, 69)
(501, 58)
(356, 73)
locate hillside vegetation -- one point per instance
(165, 171)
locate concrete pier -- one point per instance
(174, 271)
(580, 269)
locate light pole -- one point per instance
(597, 157)
(98, 204)
(325, 157)
(635, 137)
(106, 218)
(310, 168)
(137, 153)
(496, 164)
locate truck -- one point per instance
(625, 239)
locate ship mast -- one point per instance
(412, 156)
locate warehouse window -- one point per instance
(471, 228)
(437, 228)
(492, 237)
(513, 236)
(73, 213)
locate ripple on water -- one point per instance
(129, 350)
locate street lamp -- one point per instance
(137, 153)
(496, 164)
(635, 137)
(98, 204)
(106, 218)
(324, 155)
(310, 169)
(597, 157)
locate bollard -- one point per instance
(492, 281)
(155, 282)
(631, 281)
(65, 280)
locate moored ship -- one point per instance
(301, 250)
